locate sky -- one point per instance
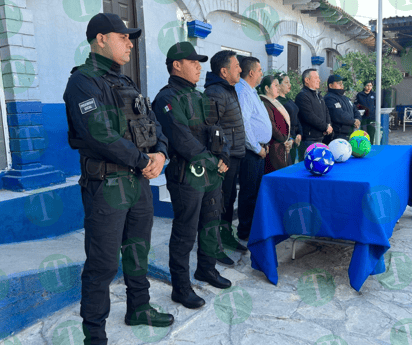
(366, 10)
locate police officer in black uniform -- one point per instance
(121, 146)
(199, 156)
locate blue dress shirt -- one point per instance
(258, 127)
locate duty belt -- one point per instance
(93, 169)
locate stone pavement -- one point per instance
(254, 311)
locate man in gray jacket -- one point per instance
(220, 87)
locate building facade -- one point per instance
(42, 40)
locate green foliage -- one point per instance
(359, 67)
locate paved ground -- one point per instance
(257, 312)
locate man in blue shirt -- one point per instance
(258, 129)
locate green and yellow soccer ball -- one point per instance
(361, 146)
(359, 133)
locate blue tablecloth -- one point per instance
(359, 200)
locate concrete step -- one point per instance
(38, 278)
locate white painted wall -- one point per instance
(57, 41)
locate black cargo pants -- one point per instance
(118, 220)
(197, 206)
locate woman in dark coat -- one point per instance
(366, 100)
(293, 110)
(280, 145)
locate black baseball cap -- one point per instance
(184, 50)
(335, 77)
(103, 23)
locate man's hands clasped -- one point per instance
(155, 165)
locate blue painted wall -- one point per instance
(48, 214)
(58, 152)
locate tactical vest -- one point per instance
(135, 122)
(204, 118)
(139, 128)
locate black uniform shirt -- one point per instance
(96, 118)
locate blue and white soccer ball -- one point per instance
(341, 150)
(319, 161)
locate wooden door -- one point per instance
(126, 10)
(293, 57)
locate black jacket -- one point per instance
(91, 108)
(293, 110)
(313, 114)
(342, 112)
(368, 102)
(230, 112)
(178, 107)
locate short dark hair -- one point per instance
(247, 64)
(170, 66)
(266, 81)
(221, 60)
(366, 82)
(306, 74)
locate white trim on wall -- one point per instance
(3, 116)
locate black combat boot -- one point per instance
(213, 277)
(187, 297)
(147, 315)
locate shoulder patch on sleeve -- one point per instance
(87, 106)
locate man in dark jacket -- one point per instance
(194, 174)
(366, 100)
(343, 113)
(102, 108)
(220, 87)
(313, 113)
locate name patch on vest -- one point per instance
(337, 105)
(87, 106)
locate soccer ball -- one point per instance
(313, 146)
(340, 149)
(360, 133)
(361, 146)
(319, 161)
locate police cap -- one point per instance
(103, 23)
(184, 50)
